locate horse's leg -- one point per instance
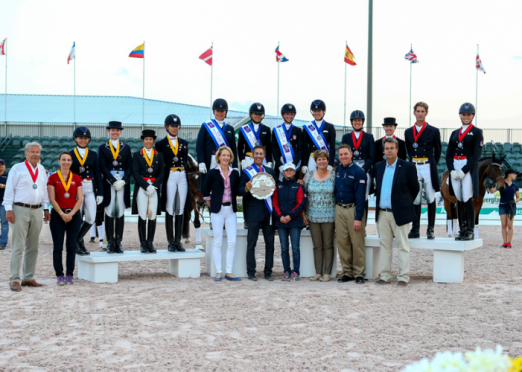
(449, 214)
(478, 207)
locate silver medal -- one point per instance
(67, 195)
(82, 169)
(415, 145)
(150, 170)
(35, 186)
(115, 162)
(460, 145)
(356, 153)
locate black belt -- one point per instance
(386, 210)
(227, 204)
(63, 210)
(346, 205)
(27, 205)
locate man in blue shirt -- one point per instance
(396, 189)
(350, 195)
(5, 224)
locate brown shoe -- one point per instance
(31, 283)
(402, 284)
(380, 281)
(15, 287)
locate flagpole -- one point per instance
(344, 123)
(143, 108)
(278, 63)
(369, 81)
(5, 111)
(476, 88)
(211, 78)
(74, 43)
(411, 48)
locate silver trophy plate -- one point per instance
(263, 186)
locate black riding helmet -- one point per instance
(288, 108)
(172, 119)
(257, 108)
(82, 132)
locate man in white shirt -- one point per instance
(25, 194)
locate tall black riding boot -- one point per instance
(463, 223)
(109, 234)
(151, 231)
(169, 226)
(142, 231)
(80, 247)
(415, 225)
(470, 214)
(432, 213)
(178, 229)
(120, 224)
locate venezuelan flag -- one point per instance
(139, 52)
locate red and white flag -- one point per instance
(207, 56)
(2, 48)
(480, 66)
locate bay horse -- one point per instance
(491, 168)
(197, 202)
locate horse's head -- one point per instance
(195, 181)
(496, 173)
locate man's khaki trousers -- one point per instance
(25, 234)
(387, 230)
(350, 244)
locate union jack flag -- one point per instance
(279, 56)
(412, 57)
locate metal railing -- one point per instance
(5, 142)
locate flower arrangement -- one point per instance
(477, 361)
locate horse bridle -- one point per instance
(494, 185)
(194, 192)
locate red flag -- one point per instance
(207, 56)
(2, 48)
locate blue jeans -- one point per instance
(5, 227)
(295, 236)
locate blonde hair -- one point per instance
(220, 150)
(321, 154)
(421, 104)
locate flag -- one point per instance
(480, 66)
(139, 52)
(279, 56)
(207, 56)
(412, 57)
(348, 56)
(2, 48)
(72, 54)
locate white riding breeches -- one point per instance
(426, 192)
(177, 188)
(89, 202)
(311, 164)
(147, 205)
(117, 206)
(463, 189)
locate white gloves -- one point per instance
(202, 168)
(461, 174)
(118, 185)
(305, 169)
(244, 164)
(150, 190)
(329, 167)
(269, 164)
(99, 200)
(454, 175)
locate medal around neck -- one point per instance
(263, 186)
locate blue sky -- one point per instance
(312, 34)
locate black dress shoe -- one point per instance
(79, 251)
(269, 277)
(413, 235)
(344, 279)
(252, 277)
(359, 280)
(430, 235)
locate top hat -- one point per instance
(389, 121)
(148, 133)
(115, 125)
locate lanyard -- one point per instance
(82, 161)
(357, 142)
(461, 136)
(34, 175)
(68, 185)
(114, 153)
(172, 147)
(417, 135)
(149, 161)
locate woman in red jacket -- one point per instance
(289, 202)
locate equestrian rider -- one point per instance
(424, 148)
(389, 125)
(462, 157)
(287, 141)
(116, 168)
(253, 134)
(148, 170)
(175, 183)
(318, 135)
(85, 164)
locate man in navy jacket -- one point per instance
(258, 215)
(396, 189)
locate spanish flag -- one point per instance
(139, 52)
(348, 56)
